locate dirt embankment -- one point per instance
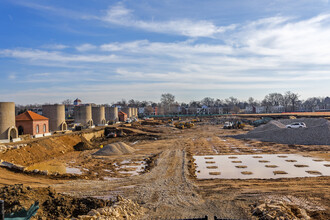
(46, 148)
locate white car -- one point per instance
(297, 125)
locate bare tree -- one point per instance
(291, 99)
(208, 101)
(67, 102)
(167, 100)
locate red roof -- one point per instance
(30, 116)
(123, 113)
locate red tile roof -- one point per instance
(121, 112)
(30, 116)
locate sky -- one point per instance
(103, 51)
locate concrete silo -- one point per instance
(8, 130)
(111, 114)
(98, 115)
(128, 111)
(83, 115)
(56, 115)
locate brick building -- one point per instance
(33, 124)
(122, 116)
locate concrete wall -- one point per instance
(7, 121)
(111, 114)
(83, 115)
(56, 115)
(98, 115)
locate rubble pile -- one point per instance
(278, 210)
(122, 209)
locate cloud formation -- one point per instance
(120, 15)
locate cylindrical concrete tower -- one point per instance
(56, 115)
(98, 114)
(83, 115)
(111, 114)
(128, 111)
(8, 130)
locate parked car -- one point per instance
(297, 125)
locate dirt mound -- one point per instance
(115, 149)
(83, 145)
(316, 133)
(122, 209)
(52, 205)
(278, 210)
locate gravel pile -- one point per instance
(316, 133)
(114, 149)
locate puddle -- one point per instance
(55, 167)
(277, 166)
(134, 168)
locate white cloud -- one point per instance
(274, 53)
(55, 46)
(120, 15)
(85, 47)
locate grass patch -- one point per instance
(209, 161)
(326, 165)
(263, 161)
(282, 156)
(232, 157)
(318, 160)
(236, 161)
(257, 156)
(242, 166)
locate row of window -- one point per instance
(37, 128)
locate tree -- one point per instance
(67, 102)
(208, 101)
(167, 100)
(291, 99)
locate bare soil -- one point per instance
(167, 187)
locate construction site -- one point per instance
(170, 168)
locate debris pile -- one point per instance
(317, 132)
(122, 209)
(53, 205)
(278, 210)
(114, 149)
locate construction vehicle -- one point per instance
(228, 125)
(261, 121)
(179, 125)
(189, 124)
(233, 125)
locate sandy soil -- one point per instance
(168, 188)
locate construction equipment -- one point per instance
(233, 125)
(261, 121)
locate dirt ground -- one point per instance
(167, 187)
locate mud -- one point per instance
(168, 186)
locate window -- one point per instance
(37, 129)
(44, 128)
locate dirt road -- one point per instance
(167, 191)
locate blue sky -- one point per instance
(103, 51)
